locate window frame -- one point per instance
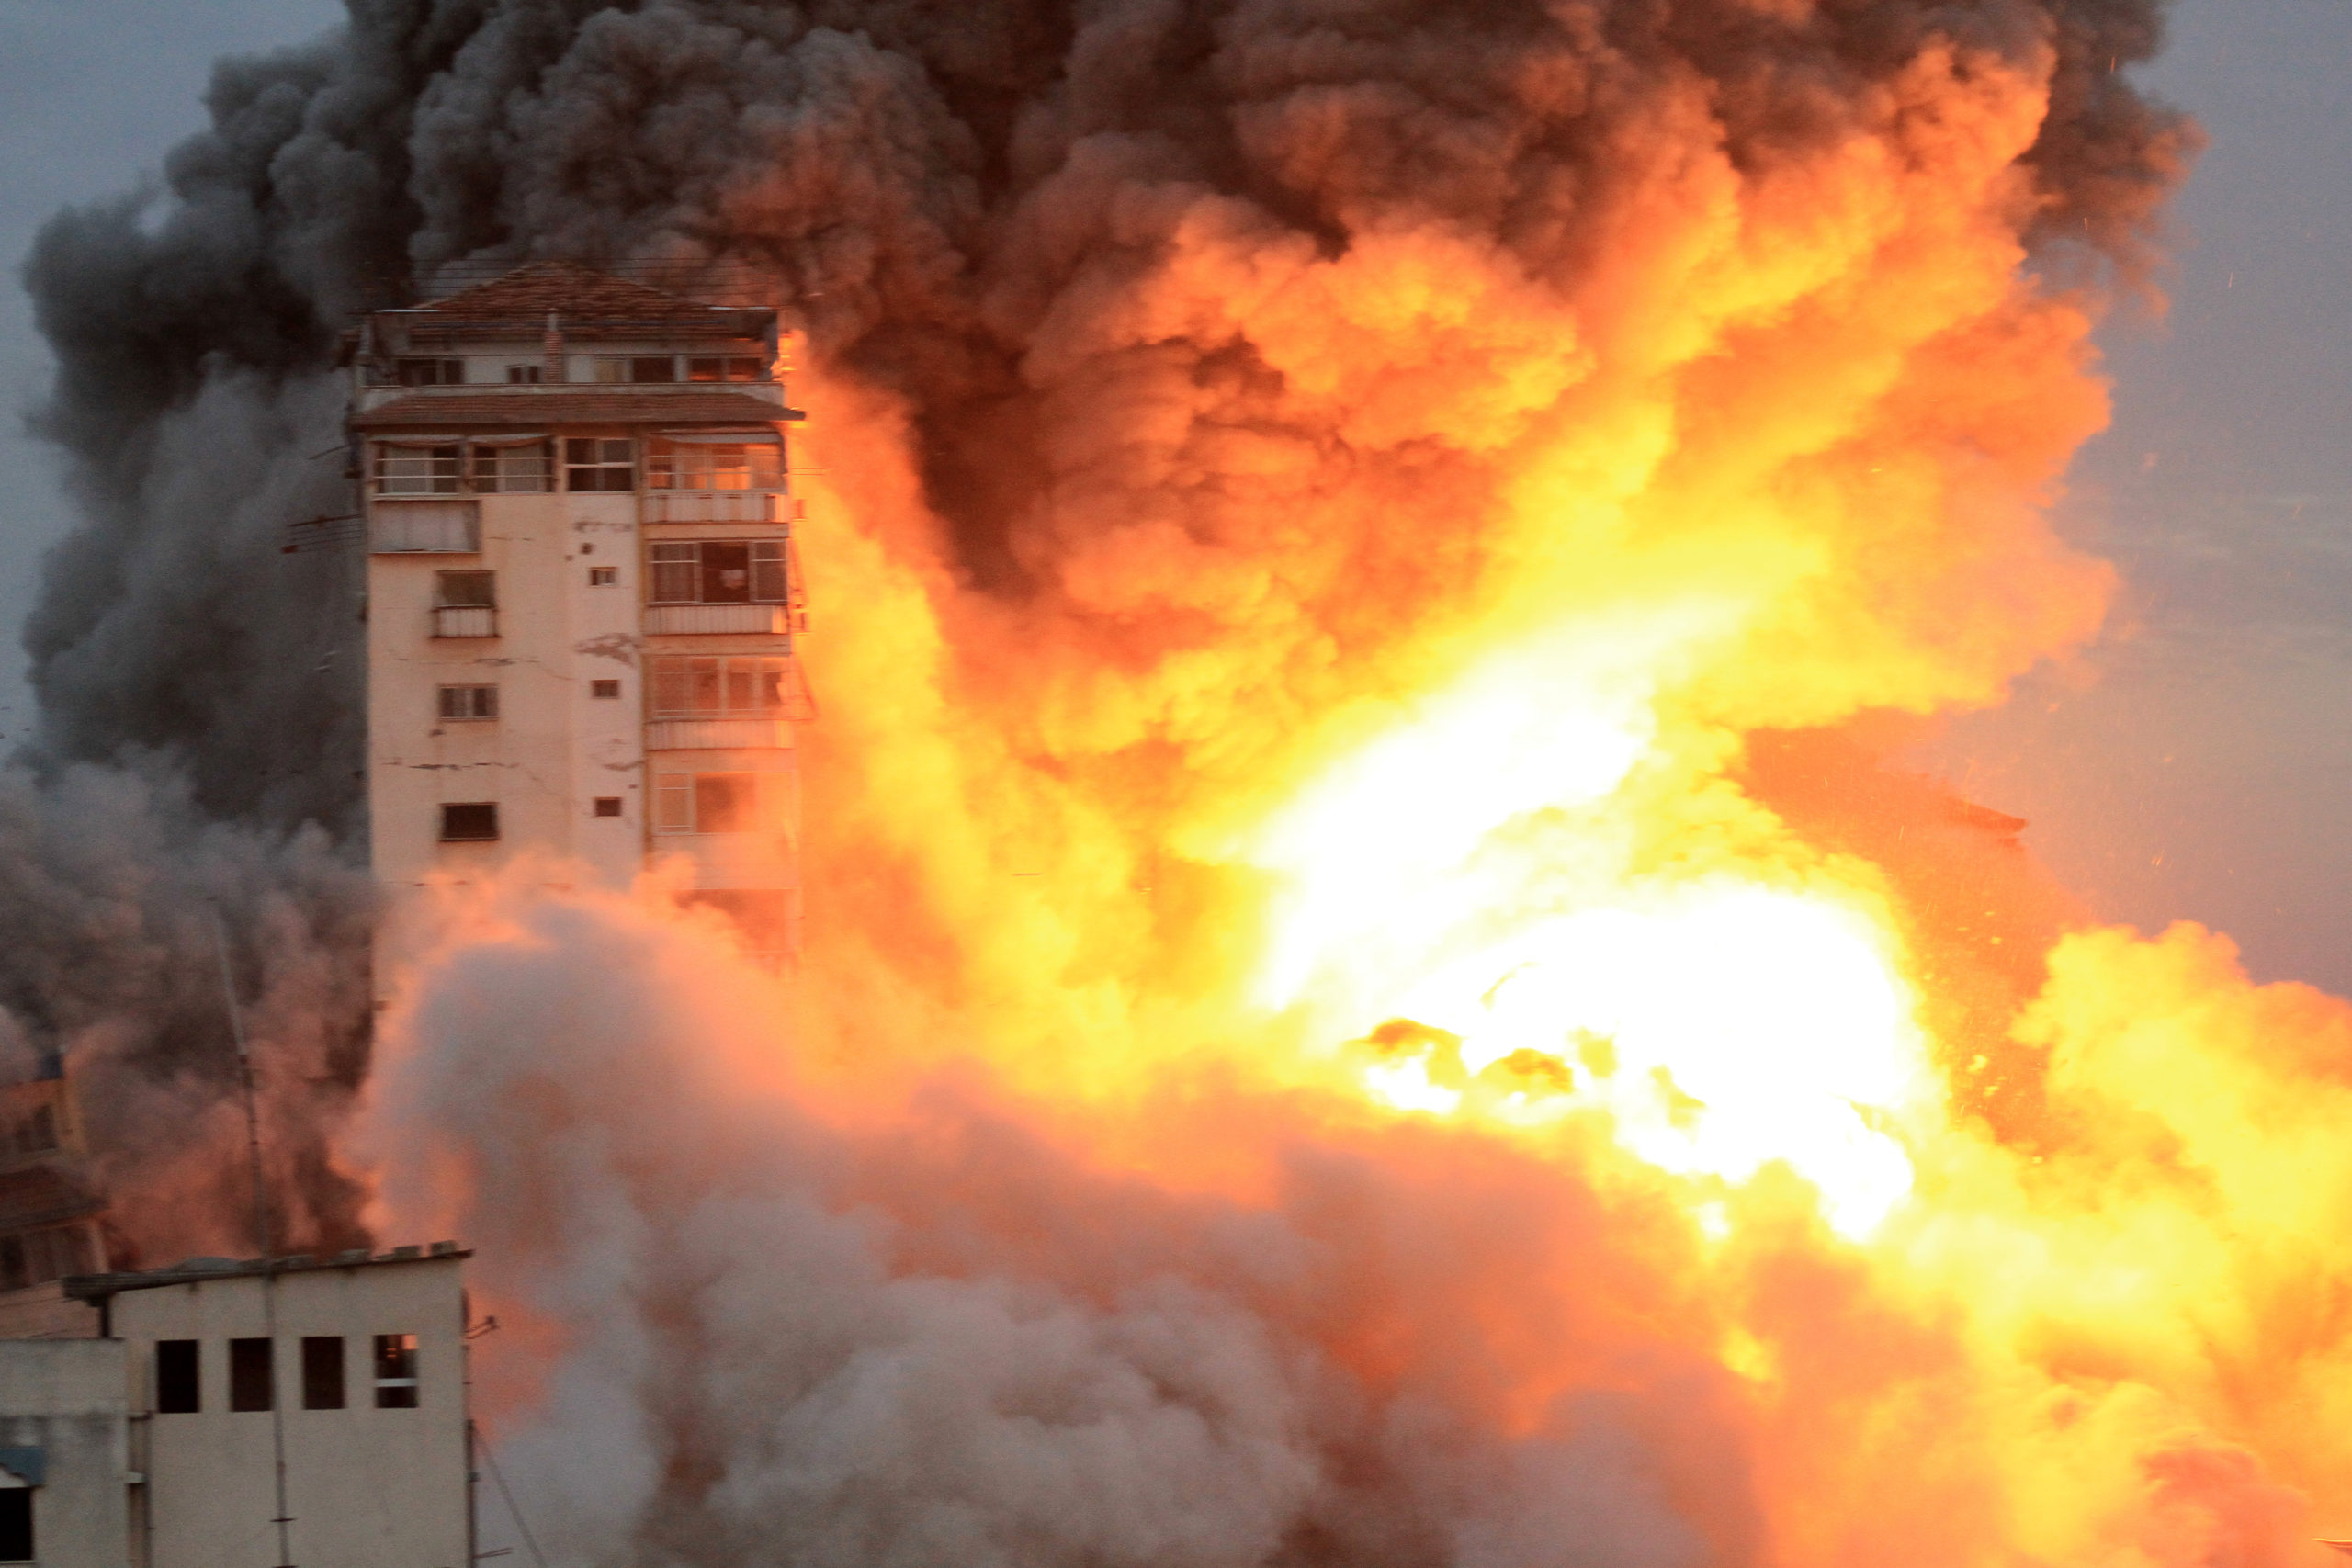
(447, 821)
(679, 801)
(603, 456)
(482, 699)
(714, 467)
(679, 680)
(253, 1375)
(171, 1368)
(444, 581)
(325, 1379)
(428, 370)
(402, 1389)
(413, 470)
(670, 563)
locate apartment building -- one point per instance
(581, 590)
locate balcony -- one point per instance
(465, 620)
(695, 620)
(717, 734)
(718, 506)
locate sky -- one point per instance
(2196, 764)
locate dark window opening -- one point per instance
(396, 1371)
(467, 702)
(597, 463)
(178, 1389)
(604, 690)
(322, 1371)
(432, 372)
(252, 1385)
(653, 367)
(608, 806)
(465, 590)
(728, 368)
(16, 1525)
(469, 821)
(525, 375)
(15, 1275)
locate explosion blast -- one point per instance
(1369, 1002)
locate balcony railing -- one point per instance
(689, 620)
(464, 620)
(716, 734)
(718, 506)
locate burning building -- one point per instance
(1379, 1005)
(581, 595)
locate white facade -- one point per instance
(582, 596)
(65, 1476)
(356, 1363)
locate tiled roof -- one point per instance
(573, 291)
(520, 409)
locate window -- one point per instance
(16, 1524)
(432, 372)
(488, 466)
(744, 463)
(507, 467)
(251, 1384)
(35, 1257)
(741, 687)
(718, 571)
(525, 375)
(179, 1388)
(604, 691)
(412, 526)
(469, 822)
(731, 368)
(604, 576)
(465, 590)
(639, 368)
(716, 803)
(396, 1371)
(460, 704)
(598, 463)
(608, 806)
(322, 1371)
(404, 469)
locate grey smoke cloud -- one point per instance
(788, 1341)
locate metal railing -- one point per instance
(717, 734)
(465, 620)
(690, 620)
(718, 506)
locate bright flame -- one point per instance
(1721, 1023)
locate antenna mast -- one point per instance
(261, 1233)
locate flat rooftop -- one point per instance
(194, 1271)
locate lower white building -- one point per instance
(246, 1415)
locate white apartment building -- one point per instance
(581, 592)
